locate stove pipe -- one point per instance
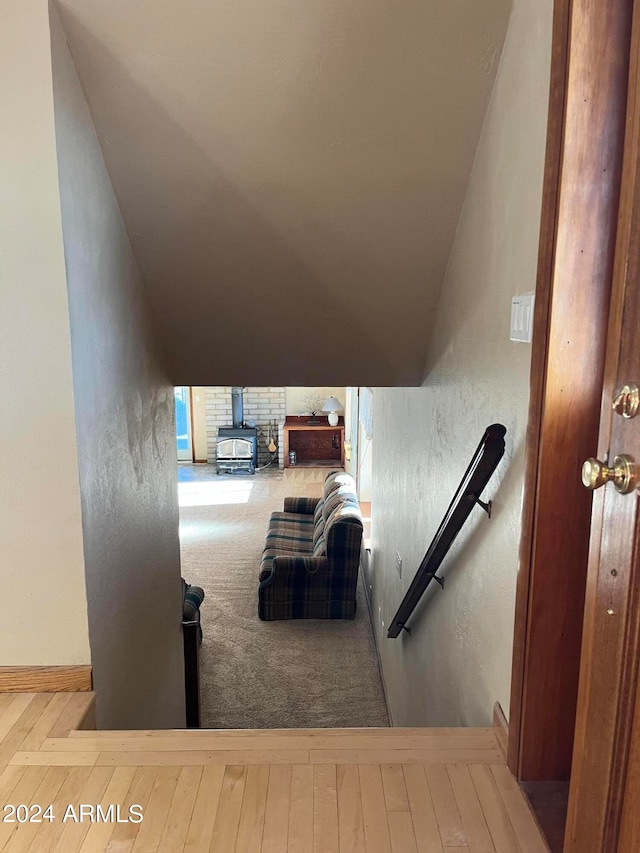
(237, 407)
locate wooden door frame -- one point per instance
(585, 137)
(193, 440)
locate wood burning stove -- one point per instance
(237, 445)
(236, 449)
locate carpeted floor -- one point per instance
(293, 674)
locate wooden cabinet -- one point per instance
(315, 444)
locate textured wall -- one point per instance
(260, 405)
(457, 662)
(126, 439)
(43, 610)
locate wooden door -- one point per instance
(604, 812)
(585, 143)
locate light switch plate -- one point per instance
(522, 318)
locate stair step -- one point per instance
(197, 757)
(287, 739)
(395, 732)
(296, 746)
(419, 739)
(413, 786)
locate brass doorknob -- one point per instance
(627, 401)
(624, 474)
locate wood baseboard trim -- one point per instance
(501, 728)
(45, 679)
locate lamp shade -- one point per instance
(333, 406)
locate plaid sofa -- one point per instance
(310, 563)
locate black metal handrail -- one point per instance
(484, 462)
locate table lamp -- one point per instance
(332, 405)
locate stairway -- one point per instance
(309, 790)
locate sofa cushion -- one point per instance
(283, 518)
(336, 479)
(346, 508)
(318, 531)
(318, 524)
(320, 546)
(302, 505)
(290, 539)
(337, 498)
(291, 522)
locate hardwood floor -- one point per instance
(287, 791)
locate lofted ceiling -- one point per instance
(291, 172)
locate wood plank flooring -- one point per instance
(287, 791)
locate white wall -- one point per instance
(294, 397)
(365, 465)
(126, 437)
(43, 612)
(457, 662)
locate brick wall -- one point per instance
(260, 405)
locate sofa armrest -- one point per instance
(294, 571)
(291, 584)
(301, 587)
(305, 506)
(192, 598)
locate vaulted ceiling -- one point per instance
(290, 172)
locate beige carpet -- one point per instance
(293, 674)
